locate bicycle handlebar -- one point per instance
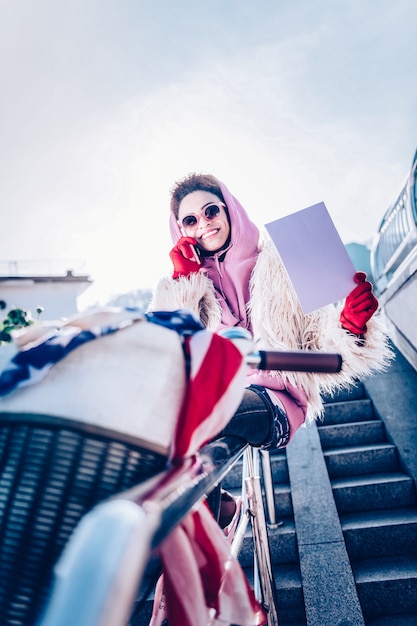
(296, 361)
(290, 361)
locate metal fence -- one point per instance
(396, 238)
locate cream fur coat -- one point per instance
(278, 323)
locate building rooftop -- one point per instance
(41, 271)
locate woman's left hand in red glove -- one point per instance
(359, 307)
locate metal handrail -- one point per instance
(397, 234)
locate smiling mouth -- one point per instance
(211, 233)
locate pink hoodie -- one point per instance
(231, 281)
(231, 275)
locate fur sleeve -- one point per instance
(195, 292)
(280, 324)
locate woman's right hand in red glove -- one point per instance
(183, 257)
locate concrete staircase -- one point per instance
(345, 552)
(376, 501)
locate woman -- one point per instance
(230, 276)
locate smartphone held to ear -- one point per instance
(195, 254)
(194, 250)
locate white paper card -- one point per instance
(314, 255)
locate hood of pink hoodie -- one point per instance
(231, 275)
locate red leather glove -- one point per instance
(359, 307)
(183, 259)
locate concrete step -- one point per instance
(373, 492)
(355, 433)
(143, 616)
(278, 460)
(345, 412)
(282, 543)
(279, 466)
(355, 392)
(397, 619)
(380, 533)
(283, 501)
(290, 599)
(361, 459)
(143, 610)
(387, 586)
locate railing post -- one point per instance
(269, 489)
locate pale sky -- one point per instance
(105, 103)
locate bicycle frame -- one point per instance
(89, 579)
(140, 519)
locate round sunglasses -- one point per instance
(210, 211)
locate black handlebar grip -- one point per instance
(302, 361)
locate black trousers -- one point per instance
(259, 421)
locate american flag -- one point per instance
(202, 583)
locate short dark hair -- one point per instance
(193, 182)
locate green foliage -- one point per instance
(15, 318)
